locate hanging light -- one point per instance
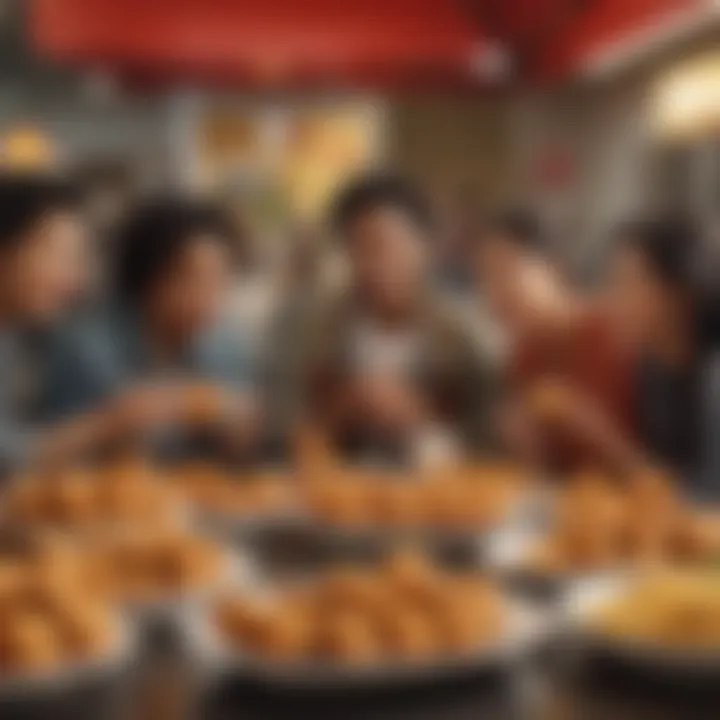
(686, 100)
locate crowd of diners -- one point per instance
(387, 365)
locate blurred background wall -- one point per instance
(583, 144)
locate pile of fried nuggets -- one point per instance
(125, 544)
(600, 524)
(406, 609)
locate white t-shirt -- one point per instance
(387, 352)
(398, 353)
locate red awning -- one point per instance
(607, 24)
(280, 40)
(342, 42)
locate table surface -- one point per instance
(545, 688)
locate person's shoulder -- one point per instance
(88, 345)
(87, 328)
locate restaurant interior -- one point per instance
(528, 163)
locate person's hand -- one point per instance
(390, 403)
(518, 430)
(241, 421)
(556, 403)
(146, 406)
(551, 399)
(204, 402)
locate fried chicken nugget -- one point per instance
(445, 504)
(85, 627)
(471, 614)
(270, 627)
(70, 499)
(408, 633)
(588, 549)
(653, 495)
(289, 636)
(410, 575)
(180, 562)
(697, 537)
(348, 636)
(28, 643)
(351, 589)
(345, 504)
(243, 619)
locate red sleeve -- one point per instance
(605, 372)
(523, 366)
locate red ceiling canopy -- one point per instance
(343, 42)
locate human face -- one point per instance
(500, 267)
(190, 295)
(523, 291)
(639, 301)
(388, 258)
(46, 271)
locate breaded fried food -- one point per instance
(28, 643)
(350, 637)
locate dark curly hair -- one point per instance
(155, 233)
(520, 226)
(669, 246)
(26, 198)
(674, 250)
(371, 192)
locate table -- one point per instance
(554, 685)
(544, 688)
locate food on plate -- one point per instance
(413, 577)
(471, 615)
(312, 452)
(404, 610)
(351, 589)
(83, 499)
(243, 495)
(349, 637)
(28, 643)
(466, 497)
(159, 565)
(676, 609)
(599, 523)
(49, 616)
(410, 633)
(203, 402)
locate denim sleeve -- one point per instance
(228, 356)
(18, 437)
(79, 375)
(17, 444)
(706, 485)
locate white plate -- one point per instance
(118, 656)
(527, 627)
(585, 599)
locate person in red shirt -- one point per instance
(570, 392)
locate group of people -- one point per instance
(387, 367)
